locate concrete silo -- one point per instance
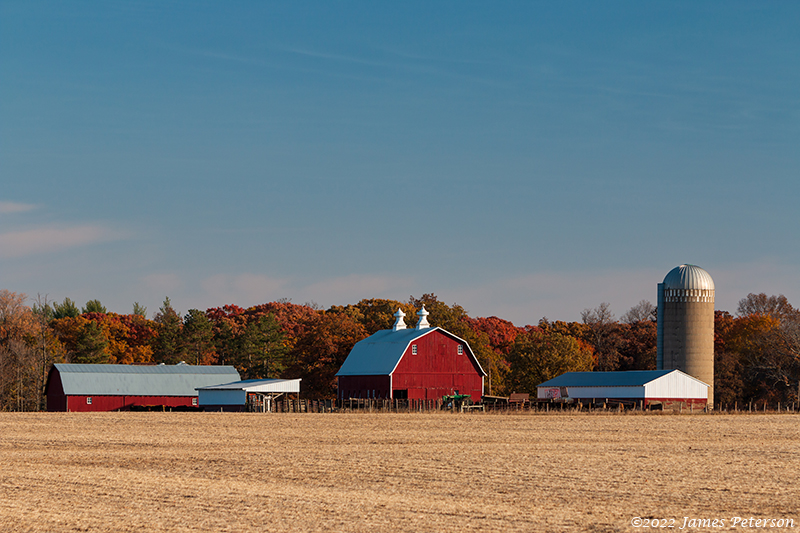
(686, 324)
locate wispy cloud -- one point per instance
(15, 207)
(337, 57)
(48, 239)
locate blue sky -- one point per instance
(522, 159)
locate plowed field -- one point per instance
(394, 472)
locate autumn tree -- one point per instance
(448, 317)
(728, 371)
(644, 311)
(769, 370)
(538, 356)
(636, 345)
(321, 350)
(500, 333)
(294, 319)
(767, 337)
(378, 314)
(491, 340)
(139, 335)
(761, 304)
(577, 330)
(128, 337)
(604, 335)
(48, 348)
(19, 369)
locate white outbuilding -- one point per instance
(247, 395)
(670, 389)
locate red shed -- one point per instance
(423, 363)
(82, 387)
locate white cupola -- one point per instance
(399, 323)
(422, 323)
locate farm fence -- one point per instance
(377, 405)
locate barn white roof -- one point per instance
(259, 385)
(630, 384)
(380, 353)
(630, 378)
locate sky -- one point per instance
(521, 159)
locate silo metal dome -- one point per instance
(686, 324)
(688, 277)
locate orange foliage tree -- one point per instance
(21, 367)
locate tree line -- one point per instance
(757, 350)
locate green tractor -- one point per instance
(455, 402)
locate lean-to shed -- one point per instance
(424, 363)
(669, 388)
(86, 387)
(250, 394)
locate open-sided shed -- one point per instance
(86, 387)
(250, 394)
(650, 387)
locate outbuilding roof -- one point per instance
(138, 380)
(259, 385)
(380, 353)
(630, 378)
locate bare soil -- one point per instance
(104, 472)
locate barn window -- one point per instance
(413, 349)
(460, 349)
(88, 400)
(194, 401)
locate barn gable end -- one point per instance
(421, 363)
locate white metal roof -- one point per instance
(631, 378)
(661, 384)
(259, 385)
(380, 353)
(688, 277)
(139, 380)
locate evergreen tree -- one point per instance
(90, 346)
(262, 349)
(139, 310)
(67, 308)
(197, 335)
(94, 306)
(167, 345)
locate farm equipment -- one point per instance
(456, 401)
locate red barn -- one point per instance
(82, 387)
(423, 363)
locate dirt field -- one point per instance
(394, 472)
